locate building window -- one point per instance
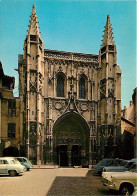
(11, 130)
(6, 82)
(12, 107)
(82, 88)
(60, 87)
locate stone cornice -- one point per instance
(71, 56)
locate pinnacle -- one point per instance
(33, 26)
(108, 34)
(33, 9)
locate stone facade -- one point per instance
(9, 116)
(127, 139)
(129, 125)
(70, 103)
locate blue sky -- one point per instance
(71, 25)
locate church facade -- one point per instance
(70, 103)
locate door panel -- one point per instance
(3, 169)
(63, 157)
(76, 155)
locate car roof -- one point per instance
(6, 157)
(111, 159)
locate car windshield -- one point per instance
(20, 160)
(103, 163)
(24, 160)
(129, 164)
(122, 162)
(133, 167)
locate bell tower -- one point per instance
(110, 92)
(32, 93)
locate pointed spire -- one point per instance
(33, 9)
(108, 34)
(33, 26)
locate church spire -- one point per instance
(108, 34)
(33, 26)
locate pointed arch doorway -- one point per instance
(71, 140)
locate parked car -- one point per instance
(9, 166)
(108, 162)
(119, 168)
(124, 182)
(24, 161)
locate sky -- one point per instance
(72, 26)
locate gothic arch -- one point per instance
(73, 114)
(71, 133)
(83, 86)
(60, 84)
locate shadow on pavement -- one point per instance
(88, 185)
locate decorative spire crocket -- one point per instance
(33, 26)
(108, 34)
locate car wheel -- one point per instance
(12, 173)
(28, 169)
(126, 190)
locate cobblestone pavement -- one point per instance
(62, 181)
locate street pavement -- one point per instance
(57, 181)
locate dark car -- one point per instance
(119, 168)
(109, 162)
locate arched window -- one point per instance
(60, 87)
(82, 88)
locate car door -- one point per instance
(3, 167)
(133, 175)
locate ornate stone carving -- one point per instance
(60, 105)
(50, 79)
(110, 92)
(69, 56)
(68, 141)
(84, 106)
(33, 85)
(60, 69)
(103, 88)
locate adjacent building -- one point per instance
(70, 103)
(9, 117)
(129, 128)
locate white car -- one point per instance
(125, 182)
(9, 166)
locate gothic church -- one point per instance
(70, 103)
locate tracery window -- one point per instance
(60, 87)
(82, 88)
